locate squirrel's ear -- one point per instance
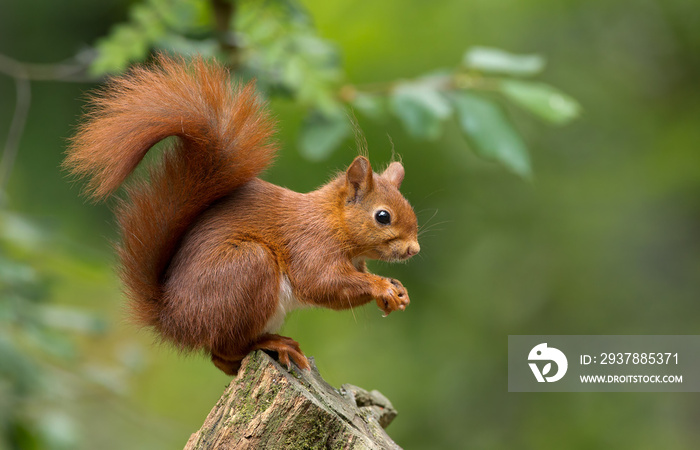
(394, 174)
(359, 176)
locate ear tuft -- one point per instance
(359, 176)
(394, 174)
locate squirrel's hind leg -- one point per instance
(222, 307)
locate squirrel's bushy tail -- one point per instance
(224, 138)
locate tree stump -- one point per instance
(268, 407)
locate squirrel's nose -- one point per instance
(413, 249)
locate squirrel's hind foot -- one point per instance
(286, 349)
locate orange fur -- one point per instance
(211, 256)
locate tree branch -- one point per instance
(266, 406)
(76, 71)
(224, 14)
(460, 80)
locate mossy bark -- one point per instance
(267, 406)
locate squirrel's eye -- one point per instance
(383, 217)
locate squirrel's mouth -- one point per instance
(397, 257)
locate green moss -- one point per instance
(313, 433)
(245, 405)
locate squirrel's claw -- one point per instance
(394, 297)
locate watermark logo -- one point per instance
(541, 352)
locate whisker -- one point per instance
(352, 310)
(432, 227)
(430, 218)
(426, 224)
(431, 234)
(437, 191)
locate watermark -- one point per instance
(569, 363)
(543, 353)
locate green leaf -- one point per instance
(146, 18)
(125, 44)
(69, 319)
(58, 428)
(293, 72)
(542, 99)
(50, 342)
(491, 133)
(421, 108)
(21, 232)
(315, 48)
(373, 106)
(177, 43)
(322, 133)
(15, 365)
(13, 273)
(184, 15)
(499, 61)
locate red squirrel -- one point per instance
(211, 256)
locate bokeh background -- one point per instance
(604, 240)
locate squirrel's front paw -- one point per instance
(392, 296)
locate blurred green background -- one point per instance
(604, 240)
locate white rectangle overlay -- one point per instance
(604, 363)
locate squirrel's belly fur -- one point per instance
(286, 303)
